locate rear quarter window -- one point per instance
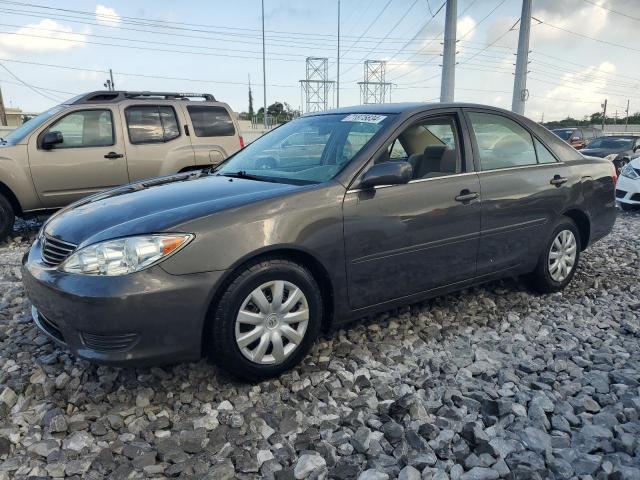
(562, 149)
(211, 121)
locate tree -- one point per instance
(250, 102)
(275, 109)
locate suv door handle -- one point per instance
(557, 180)
(112, 155)
(466, 196)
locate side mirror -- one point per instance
(50, 139)
(636, 148)
(387, 173)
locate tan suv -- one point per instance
(103, 139)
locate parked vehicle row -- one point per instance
(357, 210)
(578, 137)
(103, 139)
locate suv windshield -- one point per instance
(307, 150)
(29, 126)
(564, 133)
(612, 143)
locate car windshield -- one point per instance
(612, 143)
(29, 126)
(563, 133)
(306, 150)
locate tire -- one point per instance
(546, 279)
(227, 337)
(628, 207)
(7, 218)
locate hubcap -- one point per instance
(271, 322)
(562, 256)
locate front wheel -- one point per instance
(558, 262)
(7, 217)
(266, 320)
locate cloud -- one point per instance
(44, 36)
(465, 27)
(107, 16)
(570, 15)
(580, 93)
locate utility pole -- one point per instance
(626, 118)
(604, 113)
(3, 113)
(113, 85)
(520, 92)
(338, 62)
(264, 71)
(448, 82)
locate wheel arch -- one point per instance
(302, 257)
(13, 200)
(583, 223)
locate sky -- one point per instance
(51, 51)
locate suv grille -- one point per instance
(620, 193)
(55, 251)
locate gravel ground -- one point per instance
(494, 382)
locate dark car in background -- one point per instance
(248, 262)
(619, 149)
(578, 137)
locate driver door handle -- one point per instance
(466, 196)
(113, 155)
(557, 180)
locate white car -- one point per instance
(628, 186)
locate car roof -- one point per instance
(404, 107)
(621, 136)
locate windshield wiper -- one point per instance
(243, 174)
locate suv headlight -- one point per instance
(629, 172)
(124, 255)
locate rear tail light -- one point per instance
(614, 173)
(241, 141)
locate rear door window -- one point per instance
(502, 143)
(151, 124)
(210, 121)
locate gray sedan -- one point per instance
(248, 262)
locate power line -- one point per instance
(617, 12)
(369, 26)
(31, 87)
(582, 35)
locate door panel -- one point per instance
(406, 239)
(78, 166)
(519, 207)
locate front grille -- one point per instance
(102, 342)
(55, 251)
(48, 326)
(620, 193)
(635, 197)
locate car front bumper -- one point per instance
(149, 317)
(628, 190)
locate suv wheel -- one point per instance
(558, 262)
(7, 217)
(266, 320)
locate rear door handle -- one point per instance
(557, 180)
(466, 196)
(112, 155)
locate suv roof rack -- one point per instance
(109, 96)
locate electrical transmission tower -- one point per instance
(316, 88)
(374, 88)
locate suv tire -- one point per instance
(558, 261)
(253, 333)
(7, 217)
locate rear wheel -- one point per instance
(266, 320)
(558, 262)
(7, 217)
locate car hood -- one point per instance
(601, 152)
(156, 205)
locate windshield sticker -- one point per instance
(364, 118)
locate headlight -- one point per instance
(629, 172)
(611, 157)
(124, 255)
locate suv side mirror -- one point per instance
(50, 139)
(387, 173)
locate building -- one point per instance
(14, 117)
